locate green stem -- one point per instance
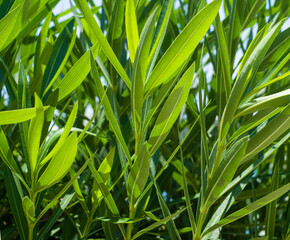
(130, 225)
(199, 225)
(87, 227)
(30, 231)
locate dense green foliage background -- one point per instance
(144, 119)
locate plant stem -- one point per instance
(199, 225)
(30, 231)
(130, 225)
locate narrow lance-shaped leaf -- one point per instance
(131, 29)
(224, 56)
(103, 42)
(225, 171)
(104, 170)
(271, 209)
(250, 208)
(182, 46)
(243, 78)
(157, 224)
(117, 19)
(21, 115)
(254, 121)
(138, 175)
(29, 209)
(105, 192)
(170, 110)
(65, 133)
(8, 22)
(59, 165)
(159, 32)
(34, 134)
(140, 69)
(108, 109)
(59, 51)
(279, 99)
(14, 199)
(76, 74)
(274, 129)
(6, 154)
(256, 7)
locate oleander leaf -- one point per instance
(76, 74)
(34, 134)
(250, 208)
(138, 175)
(275, 100)
(131, 29)
(140, 69)
(69, 124)
(182, 46)
(103, 42)
(274, 129)
(250, 66)
(7, 23)
(59, 165)
(157, 224)
(170, 110)
(58, 55)
(20, 115)
(225, 171)
(29, 209)
(108, 108)
(15, 202)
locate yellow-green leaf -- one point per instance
(59, 165)
(131, 29)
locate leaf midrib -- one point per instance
(180, 49)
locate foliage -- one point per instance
(145, 119)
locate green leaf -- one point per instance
(172, 230)
(15, 203)
(243, 78)
(279, 99)
(104, 170)
(108, 108)
(140, 69)
(254, 121)
(77, 74)
(160, 32)
(103, 42)
(157, 224)
(6, 154)
(138, 175)
(274, 129)
(115, 28)
(158, 100)
(225, 171)
(183, 46)
(34, 134)
(58, 55)
(250, 208)
(8, 22)
(170, 110)
(131, 29)
(78, 193)
(224, 56)
(55, 215)
(29, 209)
(59, 165)
(21, 115)
(69, 124)
(252, 13)
(271, 209)
(105, 192)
